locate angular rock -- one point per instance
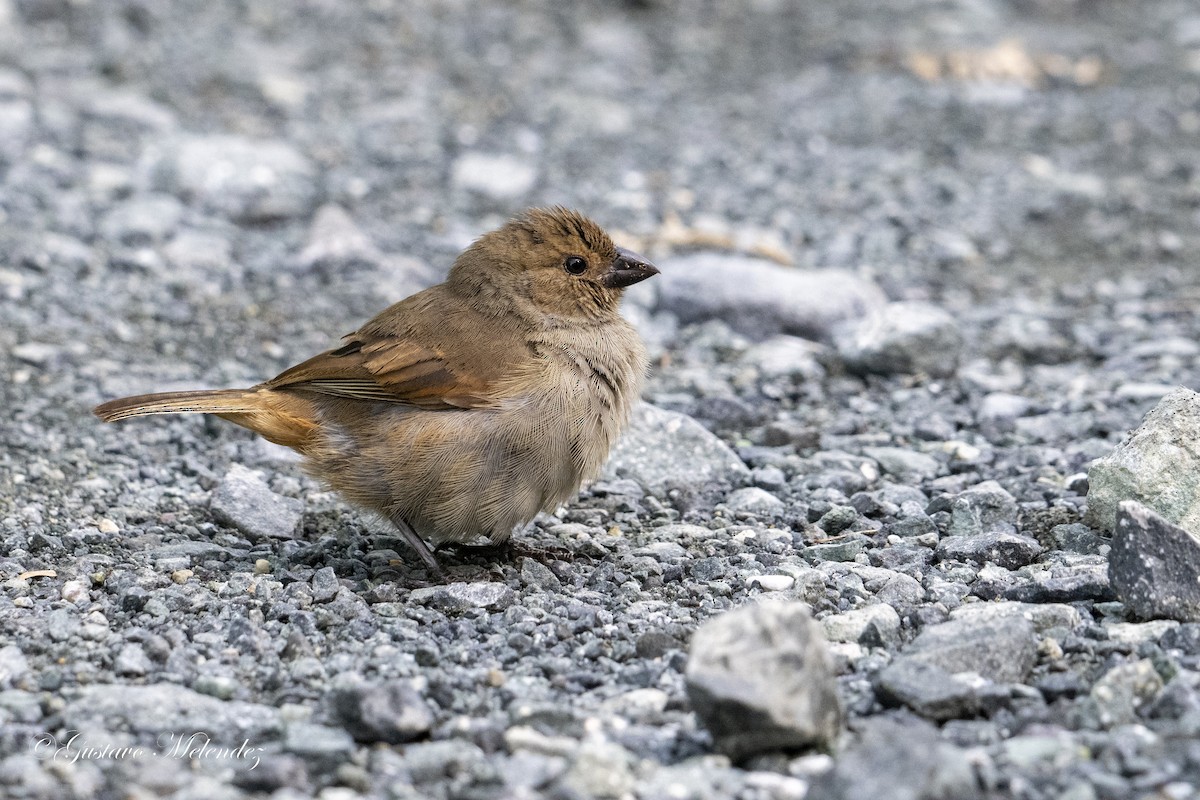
(761, 299)
(982, 508)
(464, 596)
(244, 501)
(496, 176)
(1120, 694)
(903, 338)
(1153, 565)
(391, 712)
(900, 759)
(1008, 550)
(166, 708)
(1001, 649)
(1153, 466)
(665, 450)
(336, 245)
(785, 357)
(872, 626)
(753, 500)
(761, 679)
(929, 691)
(906, 465)
(247, 180)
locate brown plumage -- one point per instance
(469, 407)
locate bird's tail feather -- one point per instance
(203, 401)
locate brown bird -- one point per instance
(469, 407)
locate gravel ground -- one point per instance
(922, 264)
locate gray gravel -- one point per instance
(923, 265)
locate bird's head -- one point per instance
(558, 259)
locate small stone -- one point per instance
(903, 338)
(904, 465)
(761, 679)
(1001, 649)
(536, 574)
(465, 596)
(928, 690)
(900, 759)
(132, 660)
(74, 591)
(1153, 565)
(773, 583)
(600, 769)
(181, 576)
(788, 357)
(262, 566)
(1003, 406)
(983, 508)
(244, 501)
(325, 585)
(1078, 538)
(871, 626)
(390, 712)
(762, 299)
(107, 527)
(248, 180)
(755, 501)
(496, 176)
(1151, 467)
(664, 451)
(1008, 550)
(143, 221)
(838, 519)
(1120, 693)
(336, 245)
(14, 668)
(318, 742)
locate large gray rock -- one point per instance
(244, 501)
(761, 679)
(665, 450)
(933, 675)
(247, 180)
(899, 760)
(908, 337)
(1153, 565)
(1154, 466)
(760, 298)
(168, 709)
(391, 712)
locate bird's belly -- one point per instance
(455, 475)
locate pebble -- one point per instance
(760, 678)
(499, 177)
(1008, 550)
(1153, 565)
(391, 712)
(664, 451)
(459, 597)
(904, 337)
(243, 500)
(872, 626)
(1147, 465)
(755, 501)
(762, 299)
(248, 180)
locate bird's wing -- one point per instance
(389, 369)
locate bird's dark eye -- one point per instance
(575, 265)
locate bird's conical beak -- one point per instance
(627, 269)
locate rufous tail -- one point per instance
(203, 401)
(283, 418)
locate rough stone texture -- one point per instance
(1153, 565)
(464, 596)
(762, 299)
(244, 501)
(391, 712)
(760, 679)
(900, 759)
(983, 508)
(908, 337)
(249, 180)
(1002, 649)
(874, 626)
(1146, 467)
(665, 450)
(1009, 550)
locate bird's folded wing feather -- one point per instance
(389, 369)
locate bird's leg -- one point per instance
(507, 550)
(416, 542)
